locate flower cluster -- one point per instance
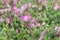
(25, 20)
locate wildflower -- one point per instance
(24, 7)
(38, 1)
(45, 1)
(37, 24)
(31, 24)
(42, 35)
(2, 11)
(25, 18)
(15, 2)
(33, 20)
(58, 31)
(8, 1)
(56, 7)
(7, 20)
(14, 9)
(16, 31)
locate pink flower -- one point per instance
(58, 31)
(16, 10)
(15, 14)
(25, 18)
(33, 20)
(8, 1)
(38, 1)
(56, 7)
(24, 7)
(2, 11)
(15, 2)
(45, 1)
(7, 20)
(1, 19)
(16, 31)
(37, 24)
(42, 35)
(31, 24)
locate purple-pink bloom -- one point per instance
(56, 7)
(24, 7)
(38, 1)
(8, 1)
(16, 10)
(7, 20)
(45, 1)
(15, 2)
(31, 24)
(37, 24)
(33, 20)
(58, 31)
(42, 35)
(15, 14)
(25, 18)
(16, 31)
(2, 11)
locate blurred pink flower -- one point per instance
(16, 31)
(42, 35)
(1, 19)
(15, 2)
(45, 1)
(56, 7)
(2, 11)
(16, 10)
(24, 7)
(15, 14)
(37, 24)
(31, 24)
(25, 18)
(38, 1)
(7, 20)
(33, 20)
(58, 31)
(8, 1)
